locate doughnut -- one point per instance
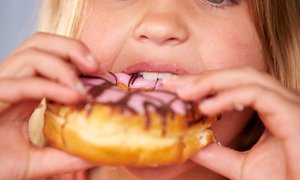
(126, 120)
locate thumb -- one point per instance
(221, 160)
(45, 162)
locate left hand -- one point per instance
(277, 153)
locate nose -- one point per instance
(161, 28)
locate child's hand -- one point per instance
(276, 155)
(44, 66)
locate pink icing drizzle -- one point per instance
(114, 93)
(104, 90)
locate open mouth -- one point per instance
(142, 80)
(154, 76)
(144, 75)
(133, 91)
(146, 81)
(148, 75)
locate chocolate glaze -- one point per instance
(132, 79)
(150, 104)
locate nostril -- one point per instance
(159, 40)
(172, 41)
(160, 32)
(143, 37)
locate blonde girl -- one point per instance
(244, 53)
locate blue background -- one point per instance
(17, 22)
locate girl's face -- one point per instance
(175, 36)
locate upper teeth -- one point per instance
(155, 76)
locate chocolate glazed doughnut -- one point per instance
(123, 125)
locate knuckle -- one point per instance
(33, 39)
(31, 51)
(32, 56)
(38, 36)
(257, 89)
(79, 46)
(249, 69)
(255, 73)
(31, 42)
(36, 39)
(24, 55)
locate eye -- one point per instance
(216, 1)
(222, 3)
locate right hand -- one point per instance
(47, 66)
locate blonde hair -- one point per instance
(278, 25)
(62, 17)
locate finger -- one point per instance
(4, 105)
(208, 83)
(274, 109)
(12, 91)
(32, 61)
(221, 160)
(265, 136)
(67, 48)
(183, 84)
(48, 162)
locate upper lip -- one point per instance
(158, 67)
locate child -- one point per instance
(244, 53)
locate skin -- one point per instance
(189, 34)
(26, 76)
(275, 155)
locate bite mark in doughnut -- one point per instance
(123, 123)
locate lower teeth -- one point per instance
(155, 76)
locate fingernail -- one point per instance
(79, 87)
(91, 59)
(185, 89)
(102, 69)
(170, 80)
(239, 107)
(219, 143)
(169, 83)
(205, 104)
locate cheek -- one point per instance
(230, 47)
(103, 39)
(100, 41)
